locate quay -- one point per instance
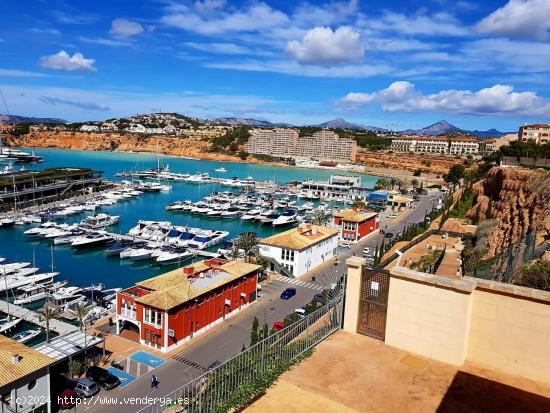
(56, 325)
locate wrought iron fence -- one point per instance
(251, 372)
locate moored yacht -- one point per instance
(36, 292)
(99, 221)
(91, 239)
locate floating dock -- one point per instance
(56, 325)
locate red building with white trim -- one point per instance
(355, 224)
(166, 311)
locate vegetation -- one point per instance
(319, 218)
(74, 368)
(464, 203)
(535, 274)
(46, 314)
(82, 311)
(387, 183)
(426, 262)
(230, 141)
(455, 174)
(308, 130)
(370, 140)
(21, 129)
(358, 204)
(254, 334)
(519, 149)
(248, 243)
(269, 158)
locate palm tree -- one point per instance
(234, 253)
(248, 242)
(81, 311)
(262, 262)
(45, 314)
(358, 204)
(319, 218)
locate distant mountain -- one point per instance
(16, 120)
(340, 123)
(445, 128)
(250, 122)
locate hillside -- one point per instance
(17, 120)
(445, 128)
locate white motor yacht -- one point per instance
(252, 214)
(173, 257)
(13, 267)
(8, 323)
(36, 292)
(91, 240)
(99, 221)
(26, 335)
(286, 218)
(16, 281)
(65, 296)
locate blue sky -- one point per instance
(400, 64)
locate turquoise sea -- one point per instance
(92, 266)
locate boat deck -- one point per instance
(58, 326)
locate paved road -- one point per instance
(227, 341)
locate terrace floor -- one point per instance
(354, 373)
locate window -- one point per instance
(287, 255)
(152, 317)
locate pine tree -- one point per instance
(265, 332)
(254, 332)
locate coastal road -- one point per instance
(227, 341)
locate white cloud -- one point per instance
(528, 19)
(324, 15)
(258, 16)
(20, 73)
(293, 68)
(420, 24)
(208, 6)
(403, 96)
(125, 28)
(104, 42)
(324, 47)
(45, 30)
(63, 61)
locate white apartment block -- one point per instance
(441, 145)
(287, 143)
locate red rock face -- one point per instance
(520, 202)
(177, 146)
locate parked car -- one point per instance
(103, 378)
(278, 326)
(301, 312)
(367, 252)
(389, 235)
(86, 388)
(321, 297)
(68, 399)
(288, 293)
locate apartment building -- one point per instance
(441, 145)
(287, 143)
(464, 146)
(538, 132)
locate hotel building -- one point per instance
(440, 145)
(538, 132)
(323, 145)
(167, 311)
(300, 249)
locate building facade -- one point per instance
(170, 309)
(287, 143)
(301, 249)
(441, 145)
(24, 378)
(538, 132)
(355, 224)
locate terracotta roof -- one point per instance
(300, 238)
(173, 288)
(352, 215)
(29, 361)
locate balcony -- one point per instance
(129, 313)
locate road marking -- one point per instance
(301, 283)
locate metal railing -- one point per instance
(238, 380)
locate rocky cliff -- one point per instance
(519, 201)
(168, 145)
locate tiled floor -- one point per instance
(354, 373)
